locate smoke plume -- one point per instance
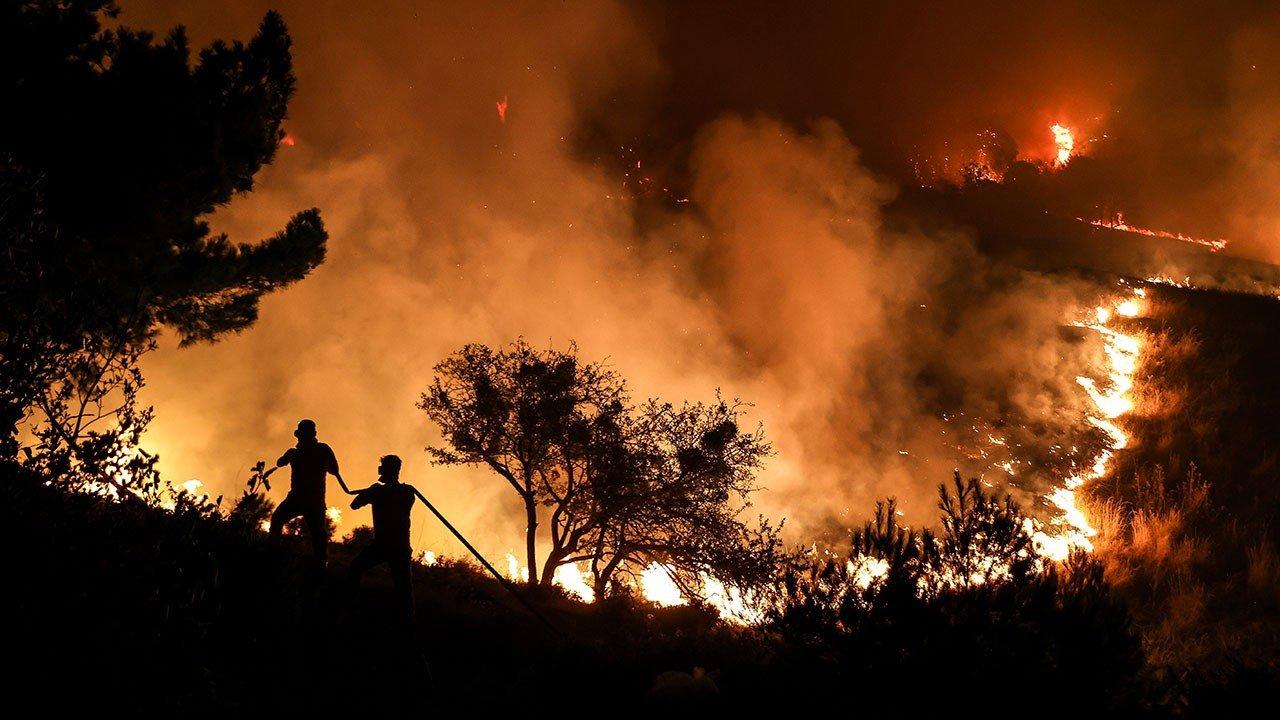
(879, 354)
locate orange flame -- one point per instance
(1117, 222)
(1066, 142)
(1123, 353)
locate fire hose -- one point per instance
(506, 584)
(476, 554)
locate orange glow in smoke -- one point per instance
(502, 108)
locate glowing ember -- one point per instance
(288, 140)
(502, 108)
(1066, 142)
(1117, 222)
(428, 558)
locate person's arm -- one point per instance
(333, 468)
(285, 458)
(421, 497)
(363, 497)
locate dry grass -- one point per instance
(1203, 597)
(1187, 517)
(1263, 574)
(1153, 561)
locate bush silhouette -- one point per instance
(918, 621)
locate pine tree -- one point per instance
(121, 150)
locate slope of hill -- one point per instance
(1188, 514)
(123, 605)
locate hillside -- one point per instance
(183, 612)
(1188, 512)
(145, 610)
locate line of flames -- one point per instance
(1123, 353)
(1117, 222)
(655, 584)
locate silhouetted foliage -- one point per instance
(89, 423)
(251, 510)
(967, 613)
(984, 539)
(181, 610)
(536, 418)
(625, 487)
(122, 149)
(677, 500)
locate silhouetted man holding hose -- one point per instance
(309, 462)
(392, 502)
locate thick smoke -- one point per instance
(872, 351)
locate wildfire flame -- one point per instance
(514, 570)
(502, 108)
(1117, 222)
(1066, 142)
(657, 586)
(1123, 353)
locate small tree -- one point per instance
(90, 423)
(984, 538)
(678, 500)
(530, 416)
(625, 487)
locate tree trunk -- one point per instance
(605, 575)
(600, 580)
(531, 537)
(549, 570)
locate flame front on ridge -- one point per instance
(1113, 401)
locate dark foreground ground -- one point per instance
(124, 607)
(114, 605)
